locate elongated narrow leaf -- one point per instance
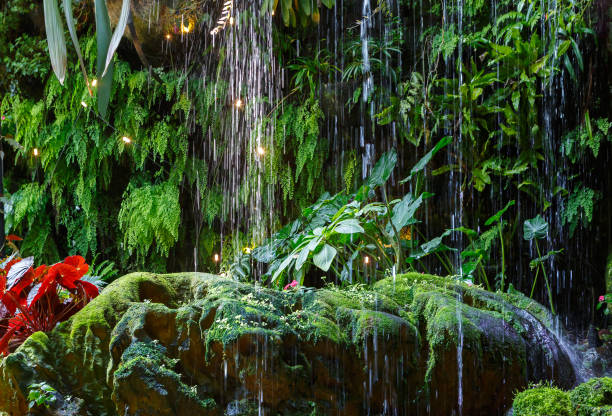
(103, 37)
(349, 226)
(499, 214)
(420, 165)
(75, 39)
(282, 267)
(117, 34)
(55, 38)
(382, 170)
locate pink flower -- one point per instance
(602, 298)
(3, 118)
(290, 285)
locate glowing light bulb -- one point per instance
(94, 82)
(366, 260)
(216, 258)
(231, 20)
(238, 103)
(261, 151)
(126, 139)
(168, 36)
(84, 104)
(35, 152)
(272, 12)
(247, 250)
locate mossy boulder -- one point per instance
(593, 398)
(199, 344)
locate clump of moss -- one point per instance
(593, 397)
(542, 401)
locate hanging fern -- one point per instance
(150, 217)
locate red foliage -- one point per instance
(38, 299)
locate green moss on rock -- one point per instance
(192, 343)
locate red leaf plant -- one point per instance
(37, 299)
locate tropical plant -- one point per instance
(37, 299)
(294, 12)
(307, 71)
(107, 44)
(347, 229)
(533, 230)
(478, 252)
(41, 394)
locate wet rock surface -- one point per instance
(197, 344)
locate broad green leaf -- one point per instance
(403, 213)
(349, 226)
(282, 267)
(420, 165)
(480, 178)
(499, 214)
(535, 228)
(324, 257)
(468, 267)
(117, 34)
(301, 259)
(328, 3)
(376, 207)
(303, 255)
(382, 170)
(433, 244)
(75, 39)
(103, 37)
(55, 39)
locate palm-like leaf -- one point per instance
(55, 39)
(103, 37)
(117, 34)
(75, 39)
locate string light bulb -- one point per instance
(94, 82)
(231, 20)
(247, 250)
(366, 260)
(261, 151)
(216, 258)
(187, 29)
(126, 140)
(238, 103)
(168, 36)
(84, 104)
(35, 152)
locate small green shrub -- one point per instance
(593, 397)
(542, 401)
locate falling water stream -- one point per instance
(255, 84)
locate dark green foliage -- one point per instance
(542, 401)
(593, 398)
